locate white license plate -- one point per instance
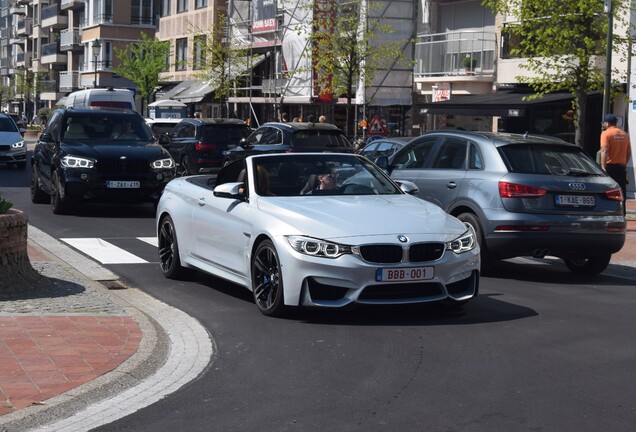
(576, 200)
(118, 184)
(404, 274)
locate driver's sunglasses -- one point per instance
(331, 175)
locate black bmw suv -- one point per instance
(98, 154)
(198, 144)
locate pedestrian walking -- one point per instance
(616, 151)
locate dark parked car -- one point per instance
(292, 137)
(523, 195)
(12, 146)
(98, 154)
(384, 146)
(197, 145)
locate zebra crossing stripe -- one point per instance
(103, 251)
(152, 241)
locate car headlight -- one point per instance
(163, 163)
(77, 162)
(464, 243)
(316, 247)
(17, 145)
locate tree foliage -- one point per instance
(561, 41)
(142, 62)
(348, 44)
(222, 61)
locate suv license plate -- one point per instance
(118, 184)
(576, 200)
(404, 274)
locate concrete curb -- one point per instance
(174, 350)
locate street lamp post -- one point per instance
(608, 57)
(96, 47)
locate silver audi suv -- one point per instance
(523, 195)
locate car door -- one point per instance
(44, 152)
(442, 179)
(409, 162)
(223, 227)
(181, 136)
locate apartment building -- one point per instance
(66, 45)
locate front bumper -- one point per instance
(9, 155)
(89, 185)
(335, 283)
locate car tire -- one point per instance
(267, 280)
(472, 221)
(589, 266)
(38, 196)
(59, 202)
(168, 247)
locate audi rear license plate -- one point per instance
(576, 200)
(121, 184)
(404, 274)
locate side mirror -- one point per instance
(164, 139)
(230, 190)
(46, 138)
(408, 187)
(382, 161)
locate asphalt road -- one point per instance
(539, 350)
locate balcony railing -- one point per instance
(50, 11)
(455, 54)
(70, 38)
(50, 49)
(71, 4)
(25, 27)
(69, 80)
(141, 20)
(48, 86)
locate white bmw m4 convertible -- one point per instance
(316, 230)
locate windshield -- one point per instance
(7, 125)
(319, 138)
(113, 127)
(549, 160)
(226, 134)
(329, 174)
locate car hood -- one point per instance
(10, 137)
(335, 217)
(108, 150)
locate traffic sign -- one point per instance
(376, 127)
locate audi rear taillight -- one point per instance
(202, 146)
(514, 190)
(614, 194)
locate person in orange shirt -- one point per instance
(616, 151)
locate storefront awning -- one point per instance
(500, 104)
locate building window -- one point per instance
(199, 52)
(141, 12)
(182, 54)
(102, 11)
(165, 7)
(201, 4)
(182, 5)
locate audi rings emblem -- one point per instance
(403, 238)
(577, 186)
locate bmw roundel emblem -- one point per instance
(403, 238)
(123, 157)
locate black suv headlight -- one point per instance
(17, 145)
(162, 163)
(463, 243)
(71, 161)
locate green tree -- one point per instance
(560, 41)
(221, 62)
(6, 94)
(348, 44)
(28, 84)
(142, 62)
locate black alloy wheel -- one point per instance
(267, 280)
(168, 248)
(59, 202)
